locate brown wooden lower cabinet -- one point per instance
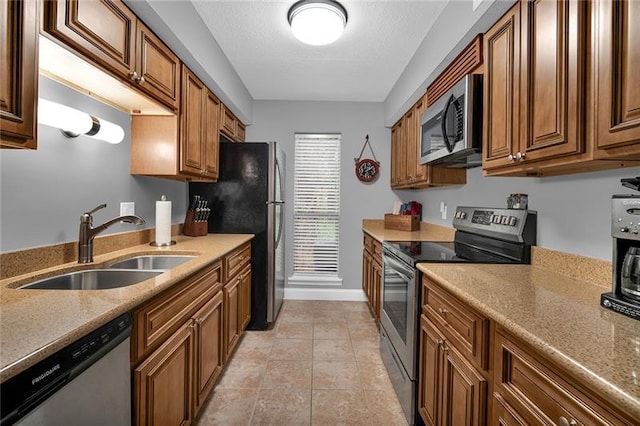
(232, 326)
(372, 274)
(451, 391)
(182, 339)
(209, 347)
(163, 382)
(504, 414)
(538, 394)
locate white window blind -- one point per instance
(316, 206)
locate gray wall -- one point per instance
(280, 120)
(45, 191)
(456, 26)
(574, 211)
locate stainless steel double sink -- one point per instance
(122, 273)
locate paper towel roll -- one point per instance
(163, 221)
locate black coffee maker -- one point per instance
(625, 230)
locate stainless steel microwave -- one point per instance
(451, 128)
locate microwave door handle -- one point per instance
(451, 100)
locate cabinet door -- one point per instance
(553, 72)
(240, 132)
(231, 316)
(421, 174)
(162, 383)
(464, 391)
(376, 287)
(430, 362)
(618, 61)
(501, 90)
(212, 135)
(192, 123)
(18, 73)
(228, 126)
(158, 68)
(504, 414)
(245, 298)
(411, 148)
(209, 347)
(396, 132)
(102, 30)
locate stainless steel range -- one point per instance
(483, 235)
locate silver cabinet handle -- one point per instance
(442, 311)
(140, 80)
(133, 75)
(520, 156)
(511, 158)
(562, 421)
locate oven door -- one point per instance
(400, 305)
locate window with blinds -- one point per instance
(316, 209)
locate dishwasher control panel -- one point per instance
(25, 391)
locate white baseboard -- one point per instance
(352, 295)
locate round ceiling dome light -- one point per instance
(317, 22)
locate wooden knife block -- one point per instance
(193, 228)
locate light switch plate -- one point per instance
(128, 208)
(444, 212)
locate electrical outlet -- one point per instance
(128, 208)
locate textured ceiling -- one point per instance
(363, 65)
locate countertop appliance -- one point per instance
(451, 128)
(86, 383)
(249, 199)
(625, 230)
(483, 235)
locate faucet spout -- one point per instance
(88, 232)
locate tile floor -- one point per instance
(319, 365)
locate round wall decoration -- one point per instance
(367, 170)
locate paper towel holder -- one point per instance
(170, 243)
(165, 244)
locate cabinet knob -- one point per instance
(199, 321)
(442, 311)
(520, 156)
(133, 75)
(444, 347)
(562, 421)
(439, 342)
(140, 80)
(511, 158)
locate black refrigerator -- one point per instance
(249, 199)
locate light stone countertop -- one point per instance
(427, 232)
(561, 317)
(37, 323)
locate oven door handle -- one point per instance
(399, 267)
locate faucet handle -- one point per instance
(87, 218)
(101, 206)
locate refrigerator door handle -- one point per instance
(275, 202)
(280, 228)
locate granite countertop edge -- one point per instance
(14, 301)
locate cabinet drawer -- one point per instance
(377, 250)
(368, 243)
(537, 393)
(236, 260)
(157, 319)
(466, 329)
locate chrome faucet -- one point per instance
(88, 232)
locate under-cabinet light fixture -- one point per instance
(74, 123)
(317, 22)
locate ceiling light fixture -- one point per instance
(317, 22)
(73, 123)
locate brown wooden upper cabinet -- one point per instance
(617, 87)
(183, 146)
(540, 116)
(231, 127)
(108, 34)
(19, 21)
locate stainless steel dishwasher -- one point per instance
(85, 383)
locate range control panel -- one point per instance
(506, 224)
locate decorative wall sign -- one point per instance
(367, 170)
